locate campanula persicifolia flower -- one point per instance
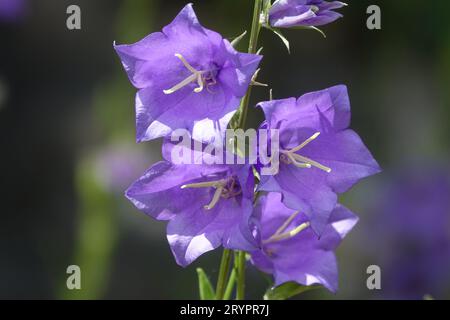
(187, 76)
(292, 251)
(207, 206)
(319, 155)
(303, 13)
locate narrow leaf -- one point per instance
(238, 39)
(282, 37)
(204, 285)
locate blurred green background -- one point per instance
(68, 150)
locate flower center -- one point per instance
(224, 188)
(201, 77)
(292, 157)
(282, 234)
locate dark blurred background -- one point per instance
(68, 150)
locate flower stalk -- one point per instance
(240, 288)
(238, 273)
(252, 47)
(223, 273)
(243, 110)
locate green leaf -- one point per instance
(287, 290)
(282, 37)
(204, 286)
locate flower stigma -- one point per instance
(292, 157)
(225, 188)
(202, 78)
(282, 234)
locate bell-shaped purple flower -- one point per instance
(319, 155)
(206, 205)
(292, 251)
(303, 13)
(188, 77)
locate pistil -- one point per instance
(281, 234)
(196, 76)
(292, 157)
(225, 188)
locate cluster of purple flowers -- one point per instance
(290, 223)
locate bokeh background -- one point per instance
(68, 150)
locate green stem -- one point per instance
(230, 285)
(239, 270)
(252, 47)
(243, 109)
(240, 260)
(223, 273)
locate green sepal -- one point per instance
(310, 28)
(281, 36)
(238, 39)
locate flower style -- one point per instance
(319, 155)
(303, 13)
(206, 205)
(291, 251)
(188, 77)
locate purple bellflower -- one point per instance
(319, 156)
(303, 13)
(292, 251)
(206, 205)
(188, 77)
